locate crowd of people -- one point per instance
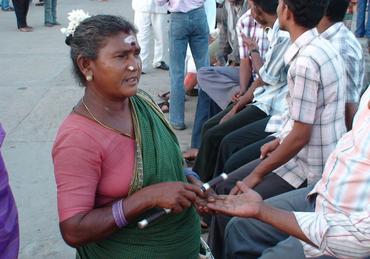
(283, 111)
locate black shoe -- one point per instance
(163, 66)
(40, 4)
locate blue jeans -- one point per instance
(206, 108)
(5, 4)
(361, 30)
(185, 28)
(50, 11)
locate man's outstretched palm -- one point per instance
(245, 205)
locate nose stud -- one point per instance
(130, 68)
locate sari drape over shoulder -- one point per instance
(9, 229)
(158, 159)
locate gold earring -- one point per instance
(89, 77)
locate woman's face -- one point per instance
(117, 69)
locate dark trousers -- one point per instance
(21, 10)
(241, 146)
(213, 133)
(271, 186)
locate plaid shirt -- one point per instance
(317, 97)
(340, 225)
(270, 98)
(251, 29)
(350, 49)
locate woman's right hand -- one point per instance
(174, 195)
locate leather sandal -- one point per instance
(164, 106)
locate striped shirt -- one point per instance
(350, 49)
(316, 96)
(270, 98)
(248, 26)
(340, 225)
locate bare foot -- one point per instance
(190, 154)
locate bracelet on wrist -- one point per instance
(118, 214)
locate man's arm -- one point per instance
(290, 146)
(249, 204)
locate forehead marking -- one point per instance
(131, 40)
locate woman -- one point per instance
(21, 11)
(115, 157)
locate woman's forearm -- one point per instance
(99, 223)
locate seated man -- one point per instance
(333, 219)
(315, 122)
(343, 40)
(219, 84)
(267, 99)
(333, 29)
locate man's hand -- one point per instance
(269, 147)
(250, 181)
(236, 97)
(249, 42)
(245, 205)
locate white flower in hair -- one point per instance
(75, 17)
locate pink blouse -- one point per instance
(92, 165)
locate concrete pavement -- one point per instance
(37, 91)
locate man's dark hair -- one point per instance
(91, 35)
(267, 6)
(337, 10)
(307, 13)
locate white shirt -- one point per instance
(148, 6)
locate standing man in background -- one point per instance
(151, 19)
(188, 25)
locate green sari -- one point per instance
(158, 159)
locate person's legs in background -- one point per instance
(143, 23)
(50, 13)
(159, 28)
(179, 30)
(21, 10)
(5, 6)
(360, 21)
(367, 27)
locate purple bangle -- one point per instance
(118, 215)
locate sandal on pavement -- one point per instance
(164, 106)
(164, 96)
